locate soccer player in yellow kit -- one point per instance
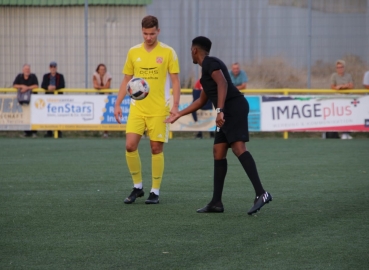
(157, 63)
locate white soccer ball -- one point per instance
(138, 88)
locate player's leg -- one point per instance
(249, 165)
(157, 169)
(135, 129)
(158, 132)
(220, 149)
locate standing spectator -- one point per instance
(101, 80)
(366, 80)
(52, 82)
(196, 91)
(238, 76)
(23, 82)
(341, 81)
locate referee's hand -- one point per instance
(172, 118)
(220, 120)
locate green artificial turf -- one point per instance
(62, 207)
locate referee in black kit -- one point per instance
(232, 126)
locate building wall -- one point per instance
(247, 30)
(38, 35)
(241, 30)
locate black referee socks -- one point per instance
(249, 166)
(220, 171)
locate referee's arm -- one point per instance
(222, 84)
(194, 106)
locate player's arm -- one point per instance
(194, 106)
(176, 86)
(222, 85)
(121, 94)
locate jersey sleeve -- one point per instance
(173, 66)
(128, 66)
(212, 66)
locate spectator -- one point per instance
(208, 106)
(52, 82)
(238, 76)
(366, 80)
(340, 80)
(101, 80)
(23, 82)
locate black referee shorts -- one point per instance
(236, 127)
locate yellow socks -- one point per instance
(134, 166)
(157, 165)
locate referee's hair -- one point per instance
(203, 42)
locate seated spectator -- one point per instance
(23, 82)
(340, 80)
(238, 76)
(208, 106)
(51, 82)
(101, 80)
(366, 80)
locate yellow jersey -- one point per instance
(154, 67)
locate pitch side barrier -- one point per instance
(278, 110)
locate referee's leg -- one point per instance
(220, 171)
(248, 163)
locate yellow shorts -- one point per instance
(156, 129)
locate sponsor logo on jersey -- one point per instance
(149, 73)
(159, 59)
(138, 59)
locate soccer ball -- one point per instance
(138, 88)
